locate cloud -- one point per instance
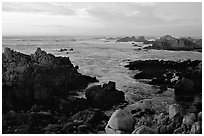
(106, 17)
(42, 7)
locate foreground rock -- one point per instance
(104, 96)
(39, 78)
(172, 120)
(121, 122)
(170, 43)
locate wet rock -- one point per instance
(120, 120)
(102, 96)
(154, 105)
(166, 73)
(143, 130)
(174, 110)
(196, 128)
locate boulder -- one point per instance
(120, 120)
(189, 119)
(184, 87)
(143, 130)
(174, 110)
(196, 128)
(102, 96)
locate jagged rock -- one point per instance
(132, 39)
(120, 120)
(174, 110)
(72, 105)
(143, 130)
(160, 118)
(39, 78)
(84, 121)
(170, 43)
(102, 96)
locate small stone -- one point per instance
(160, 118)
(174, 109)
(82, 128)
(143, 130)
(178, 131)
(200, 116)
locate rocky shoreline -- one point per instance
(39, 96)
(167, 42)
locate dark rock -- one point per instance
(61, 50)
(170, 43)
(167, 73)
(39, 78)
(102, 96)
(132, 39)
(73, 105)
(86, 121)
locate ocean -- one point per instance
(100, 57)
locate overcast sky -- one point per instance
(178, 19)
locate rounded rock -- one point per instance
(121, 120)
(189, 119)
(196, 128)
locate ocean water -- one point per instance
(98, 57)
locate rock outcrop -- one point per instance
(39, 78)
(185, 76)
(132, 39)
(168, 42)
(102, 96)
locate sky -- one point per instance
(111, 18)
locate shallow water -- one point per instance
(96, 57)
